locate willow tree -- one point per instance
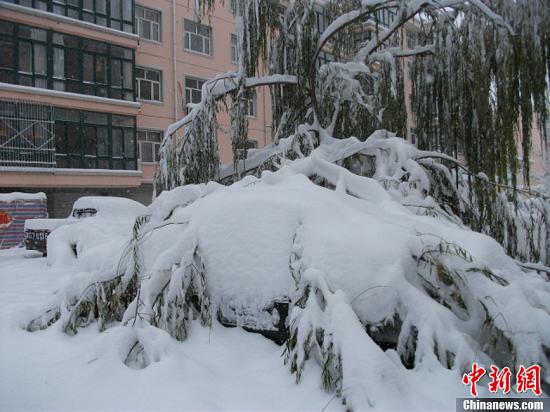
(447, 307)
(485, 87)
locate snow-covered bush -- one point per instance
(375, 285)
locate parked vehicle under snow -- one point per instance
(37, 231)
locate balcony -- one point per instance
(119, 15)
(75, 147)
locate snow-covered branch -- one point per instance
(399, 52)
(221, 86)
(413, 8)
(367, 7)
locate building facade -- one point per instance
(87, 88)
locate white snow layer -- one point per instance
(14, 196)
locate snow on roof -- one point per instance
(14, 196)
(44, 224)
(108, 206)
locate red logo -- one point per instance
(500, 380)
(473, 378)
(527, 379)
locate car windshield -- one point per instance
(86, 212)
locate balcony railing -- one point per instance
(27, 136)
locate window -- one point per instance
(94, 140)
(148, 23)
(324, 58)
(362, 37)
(29, 68)
(78, 65)
(198, 37)
(250, 144)
(250, 105)
(411, 40)
(413, 135)
(233, 6)
(234, 49)
(193, 90)
(117, 16)
(321, 19)
(383, 17)
(149, 145)
(148, 84)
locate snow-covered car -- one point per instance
(106, 207)
(37, 231)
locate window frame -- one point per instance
(82, 160)
(79, 49)
(362, 37)
(411, 39)
(187, 42)
(197, 79)
(32, 74)
(154, 152)
(251, 102)
(137, 87)
(137, 26)
(250, 144)
(234, 48)
(95, 15)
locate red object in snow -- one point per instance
(5, 220)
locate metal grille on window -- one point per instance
(26, 135)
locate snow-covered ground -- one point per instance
(214, 369)
(354, 262)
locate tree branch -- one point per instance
(224, 84)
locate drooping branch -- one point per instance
(404, 14)
(223, 85)
(197, 159)
(412, 9)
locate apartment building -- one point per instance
(87, 88)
